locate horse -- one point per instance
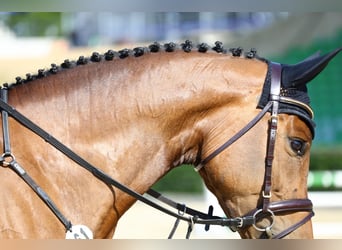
(136, 114)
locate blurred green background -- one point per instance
(282, 37)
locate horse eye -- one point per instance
(298, 146)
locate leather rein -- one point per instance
(267, 210)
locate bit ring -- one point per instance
(267, 227)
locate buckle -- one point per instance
(266, 196)
(240, 222)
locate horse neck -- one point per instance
(139, 112)
(138, 118)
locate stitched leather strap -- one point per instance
(8, 160)
(5, 129)
(287, 206)
(294, 227)
(272, 136)
(233, 139)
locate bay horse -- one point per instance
(136, 115)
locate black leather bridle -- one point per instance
(267, 210)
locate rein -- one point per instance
(269, 209)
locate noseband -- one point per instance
(267, 210)
(270, 209)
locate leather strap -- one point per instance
(8, 160)
(233, 139)
(5, 129)
(293, 205)
(286, 206)
(272, 136)
(294, 227)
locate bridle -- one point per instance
(270, 209)
(267, 210)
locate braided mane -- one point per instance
(110, 55)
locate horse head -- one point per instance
(264, 172)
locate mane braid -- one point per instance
(155, 47)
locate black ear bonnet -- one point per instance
(294, 78)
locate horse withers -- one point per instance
(136, 115)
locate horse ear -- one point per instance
(303, 72)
